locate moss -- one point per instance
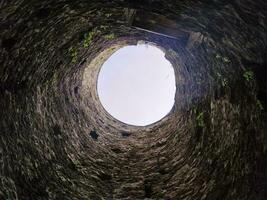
(108, 15)
(218, 56)
(248, 75)
(224, 82)
(103, 27)
(222, 58)
(226, 59)
(73, 54)
(221, 80)
(88, 37)
(109, 36)
(199, 118)
(259, 105)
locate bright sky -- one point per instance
(136, 85)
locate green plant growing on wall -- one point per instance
(108, 15)
(73, 54)
(53, 78)
(88, 38)
(103, 27)
(226, 59)
(223, 58)
(259, 105)
(218, 56)
(248, 75)
(199, 117)
(223, 81)
(109, 36)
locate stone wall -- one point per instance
(57, 141)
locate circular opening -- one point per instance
(136, 85)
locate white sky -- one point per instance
(136, 85)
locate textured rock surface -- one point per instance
(57, 142)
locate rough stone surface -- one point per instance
(57, 141)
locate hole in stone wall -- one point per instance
(147, 189)
(76, 89)
(136, 85)
(125, 134)
(94, 135)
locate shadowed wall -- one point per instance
(57, 141)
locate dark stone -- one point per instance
(260, 71)
(125, 134)
(94, 135)
(43, 13)
(162, 171)
(105, 177)
(198, 133)
(117, 150)
(57, 130)
(8, 43)
(147, 189)
(76, 89)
